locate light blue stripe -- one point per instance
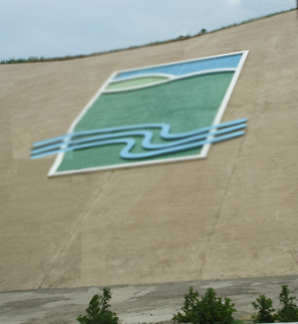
(180, 69)
(146, 142)
(165, 129)
(125, 152)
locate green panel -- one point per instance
(135, 83)
(185, 104)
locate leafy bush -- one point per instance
(98, 311)
(265, 310)
(209, 310)
(191, 305)
(289, 312)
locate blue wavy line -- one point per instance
(165, 129)
(146, 142)
(125, 152)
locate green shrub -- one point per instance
(289, 312)
(98, 311)
(209, 310)
(265, 311)
(191, 305)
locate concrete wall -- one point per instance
(232, 215)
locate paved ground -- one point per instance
(135, 304)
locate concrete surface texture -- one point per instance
(233, 215)
(139, 303)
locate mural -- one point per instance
(152, 115)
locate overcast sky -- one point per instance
(52, 28)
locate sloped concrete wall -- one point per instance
(231, 215)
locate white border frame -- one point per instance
(206, 147)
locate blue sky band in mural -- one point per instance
(180, 69)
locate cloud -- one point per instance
(233, 3)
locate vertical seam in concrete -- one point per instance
(293, 257)
(77, 225)
(212, 232)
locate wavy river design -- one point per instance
(124, 135)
